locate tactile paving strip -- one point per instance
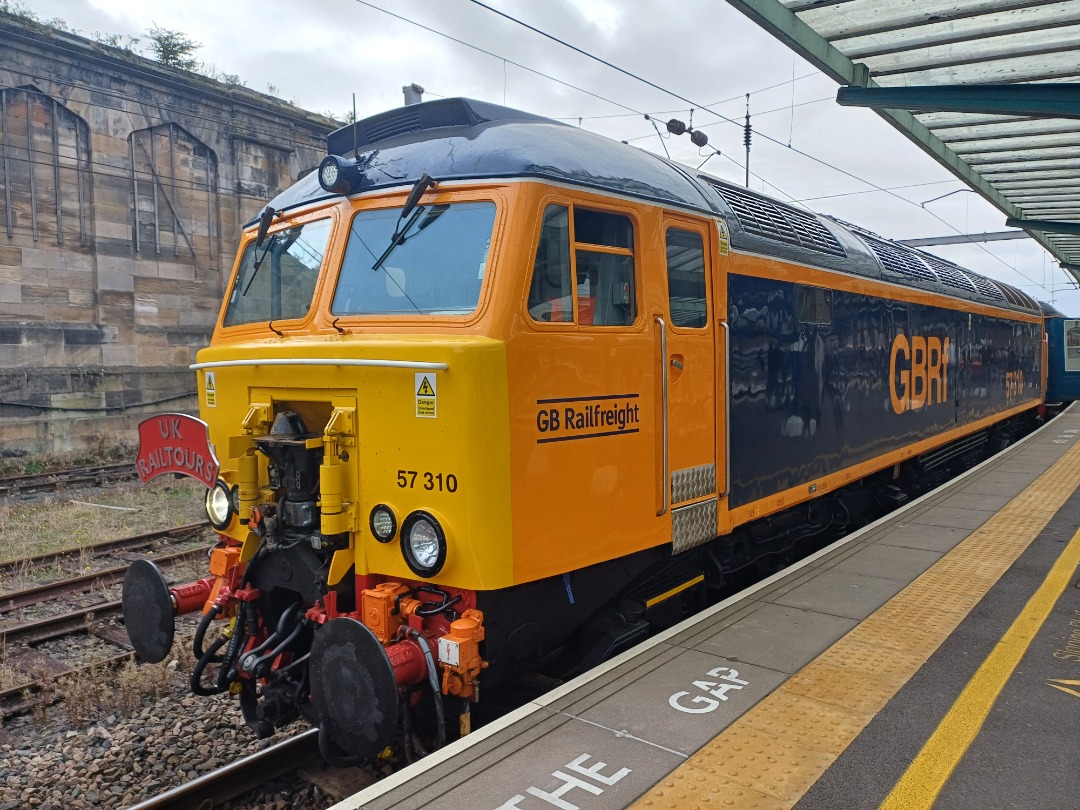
(771, 756)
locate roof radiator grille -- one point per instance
(948, 273)
(406, 120)
(986, 286)
(770, 220)
(1017, 298)
(897, 260)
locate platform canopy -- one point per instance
(989, 88)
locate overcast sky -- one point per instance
(318, 53)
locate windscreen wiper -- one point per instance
(425, 182)
(259, 261)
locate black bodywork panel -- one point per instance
(807, 400)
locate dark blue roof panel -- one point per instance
(462, 139)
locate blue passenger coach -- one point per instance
(1063, 356)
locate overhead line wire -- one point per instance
(496, 56)
(697, 105)
(739, 97)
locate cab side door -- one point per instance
(688, 379)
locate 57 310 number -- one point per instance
(437, 482)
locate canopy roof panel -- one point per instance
(1028, 164)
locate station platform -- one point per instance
(931, 659)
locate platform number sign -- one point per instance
(211, 390)
(426, 394)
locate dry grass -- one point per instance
(9, 676)
(54, 523)
(89, 695)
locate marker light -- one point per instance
(383, 523)
(339, 175)
(423, 544)
(219, 505)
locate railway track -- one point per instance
(96, 475)
(133, 542)
(95, 619)
(214, 788)
(97, 579)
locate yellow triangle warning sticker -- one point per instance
(425, 389)
(210, 381)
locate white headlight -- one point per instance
(383, 523)
(423, 544)
(339, 175)
(328, 174)
(219, 505)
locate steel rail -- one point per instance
(211, 789)
(45, 482)
(63, 624)
(109, 576)
(132, 542)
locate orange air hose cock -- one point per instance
(459, 653)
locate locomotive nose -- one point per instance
(353, 689)
(148, 611)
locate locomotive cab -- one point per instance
(436, 405)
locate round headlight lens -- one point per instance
(219, 505)
(423, 544)
(383, 523)
(329, 172)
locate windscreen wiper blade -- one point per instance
(425, 182)
(398, 238)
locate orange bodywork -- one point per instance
(646, 399)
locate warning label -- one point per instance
(723, 238)
(426, 396)
(211, 390)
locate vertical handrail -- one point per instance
(666, 488)
(726, 405)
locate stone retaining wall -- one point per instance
(123, 189)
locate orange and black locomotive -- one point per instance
(490, 393)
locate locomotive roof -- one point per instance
(463, 139)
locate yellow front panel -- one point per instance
(444, 453)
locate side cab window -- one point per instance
(686, 279)
(584, 268)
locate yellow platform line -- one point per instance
(931, 769)
(774, 753)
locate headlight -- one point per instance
(383, 523)
(219, 505)
(329, 174)
(423, 544)
(339, 175)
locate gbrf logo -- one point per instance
(918, 372)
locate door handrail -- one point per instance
(726, 405)
(666, 488)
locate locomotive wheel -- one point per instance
(353, 688)
(148, 611)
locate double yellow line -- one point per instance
(930, 770)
